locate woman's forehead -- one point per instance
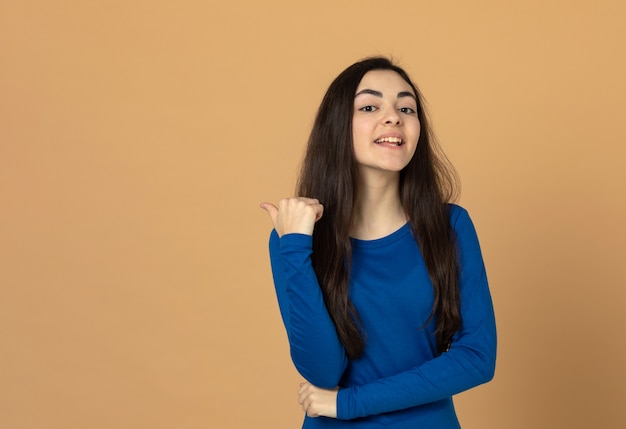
(381, 80)
(384, 83)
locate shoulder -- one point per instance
(461, 222)
(457, 214)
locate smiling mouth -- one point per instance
(394, 141)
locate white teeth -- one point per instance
(395, 140)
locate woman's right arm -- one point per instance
(316, 351)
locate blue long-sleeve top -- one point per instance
(401, 380)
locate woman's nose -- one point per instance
(392, 118)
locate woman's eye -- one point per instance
(368, 109)
(407, 110)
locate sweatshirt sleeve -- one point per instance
(316, 351)
(470, 361)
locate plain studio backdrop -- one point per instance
(137, 139)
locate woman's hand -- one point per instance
(318, 402)
(294, 215)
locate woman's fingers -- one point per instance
(316, 401)
(295, 215)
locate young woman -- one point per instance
(380, 280)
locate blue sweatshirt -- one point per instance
(400, 381)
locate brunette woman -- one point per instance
(379, 277)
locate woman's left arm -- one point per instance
(469, 362)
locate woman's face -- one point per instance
(385, 127)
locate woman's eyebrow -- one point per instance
(380, 94)
(407, 94)
(369, 91)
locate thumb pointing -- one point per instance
(272, 210)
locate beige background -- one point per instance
(137, 139)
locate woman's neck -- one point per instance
(378, 211)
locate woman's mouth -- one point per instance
(392, 141)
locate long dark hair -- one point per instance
(427, 183)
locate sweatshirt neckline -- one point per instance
(400, 233)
